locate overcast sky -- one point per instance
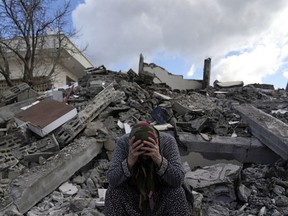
(247, 40)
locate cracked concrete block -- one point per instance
(179, 108)
(44, 148)
(281, 201)
(109, 144)
(30, 93)
(279, 190)
(14, 91)
(199, 124)
(197, 204)
(68, 188)
(79, 179)
(243, 193)
(7, 160)
(243, 149)
(5, 194)
(91, 186)
(263, 211)
(93, 129)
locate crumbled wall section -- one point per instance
(160, 75)
(174, 81)
(72, 128)
(8, 144)
(35, 184)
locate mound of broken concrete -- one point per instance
(63, 173)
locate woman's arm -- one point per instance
(171, 170)
(118, 171)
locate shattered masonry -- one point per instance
(216, 121)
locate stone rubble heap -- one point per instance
(61, 174)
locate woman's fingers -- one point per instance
(154, 141)
(135, 147)
(150, 147)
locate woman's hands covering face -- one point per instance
(151, 149)
(135, 150)
(144, 148)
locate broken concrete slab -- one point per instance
(243, 149)
(216, 182)
(270, 131)
(32, 186)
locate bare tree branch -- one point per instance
(24, 33)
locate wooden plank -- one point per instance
(269, 130)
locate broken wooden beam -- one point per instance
(269, 130)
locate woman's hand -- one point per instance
(151, 149)
(135, 150)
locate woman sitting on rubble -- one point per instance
(146, 175)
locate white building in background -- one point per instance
(70, 67)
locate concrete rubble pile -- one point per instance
(64, 172)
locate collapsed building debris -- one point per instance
(34, 185)
(217, 182)
(17, 93)
(72, 128)
(76, 155)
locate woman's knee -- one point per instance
(176, 202)
(114, 193)
(175, 192)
